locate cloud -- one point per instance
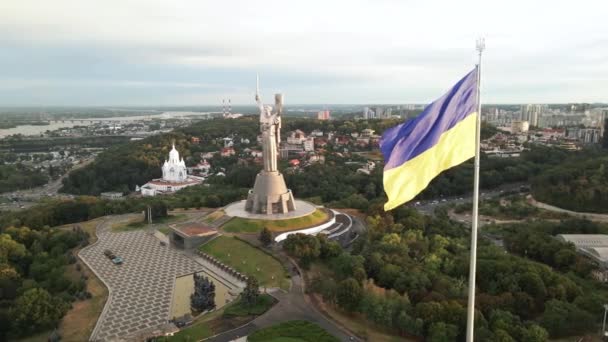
(315, 51)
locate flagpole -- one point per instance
(475, 215)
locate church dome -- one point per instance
(173, 155)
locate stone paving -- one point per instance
(142, 287)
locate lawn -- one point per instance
(240, 308)
(195, 332)
(241, 225)
(292, 331)
(218, 321)
(78, 323)
(87, 226)
(248, 260)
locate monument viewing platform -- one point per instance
(238, 209)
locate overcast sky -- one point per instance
(127, 52)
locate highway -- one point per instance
(29, 197)
(428, 206)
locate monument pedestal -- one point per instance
(270, 195)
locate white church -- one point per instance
(175, 177)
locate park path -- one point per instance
(292, 305)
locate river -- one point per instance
(68, 123)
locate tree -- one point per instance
(10, 250)
(304, 247)
(349, 294)
(329, 248)
(252, 291)
(265, 237)
(36, 310)
(535, 333)
(203, 298)
(442, 332)
(158, 209)
(564, 319)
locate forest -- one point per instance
(18, 176)
(408, 274)
(579, 182)
(35, 291)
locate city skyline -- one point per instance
(69, 53)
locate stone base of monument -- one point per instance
(270, 195)
(237, 209)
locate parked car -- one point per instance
(115, 259)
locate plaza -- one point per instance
(141, 289)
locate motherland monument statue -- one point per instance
(270, 194)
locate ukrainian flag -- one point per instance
(441, 137)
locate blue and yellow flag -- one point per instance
(441, 137)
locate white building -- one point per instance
(203, 167)
(296, 137)
(519, 126)
(317, 133)
(175, 177)
(309, 144)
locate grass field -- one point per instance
(241, 225)
(219, 321)
(240, 308)
(292, 331)
(248, 260)
(79, 322)
(195, 332)
(88, 226)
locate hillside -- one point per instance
(579, 183)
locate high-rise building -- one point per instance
(369, 113)
(532, 113)
(323, 115)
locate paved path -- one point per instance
(141, 289)
(292, 305)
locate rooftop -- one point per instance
(585, 240)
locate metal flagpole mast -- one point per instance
(471, 305)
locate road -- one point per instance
(428, 207)
(30, 197)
